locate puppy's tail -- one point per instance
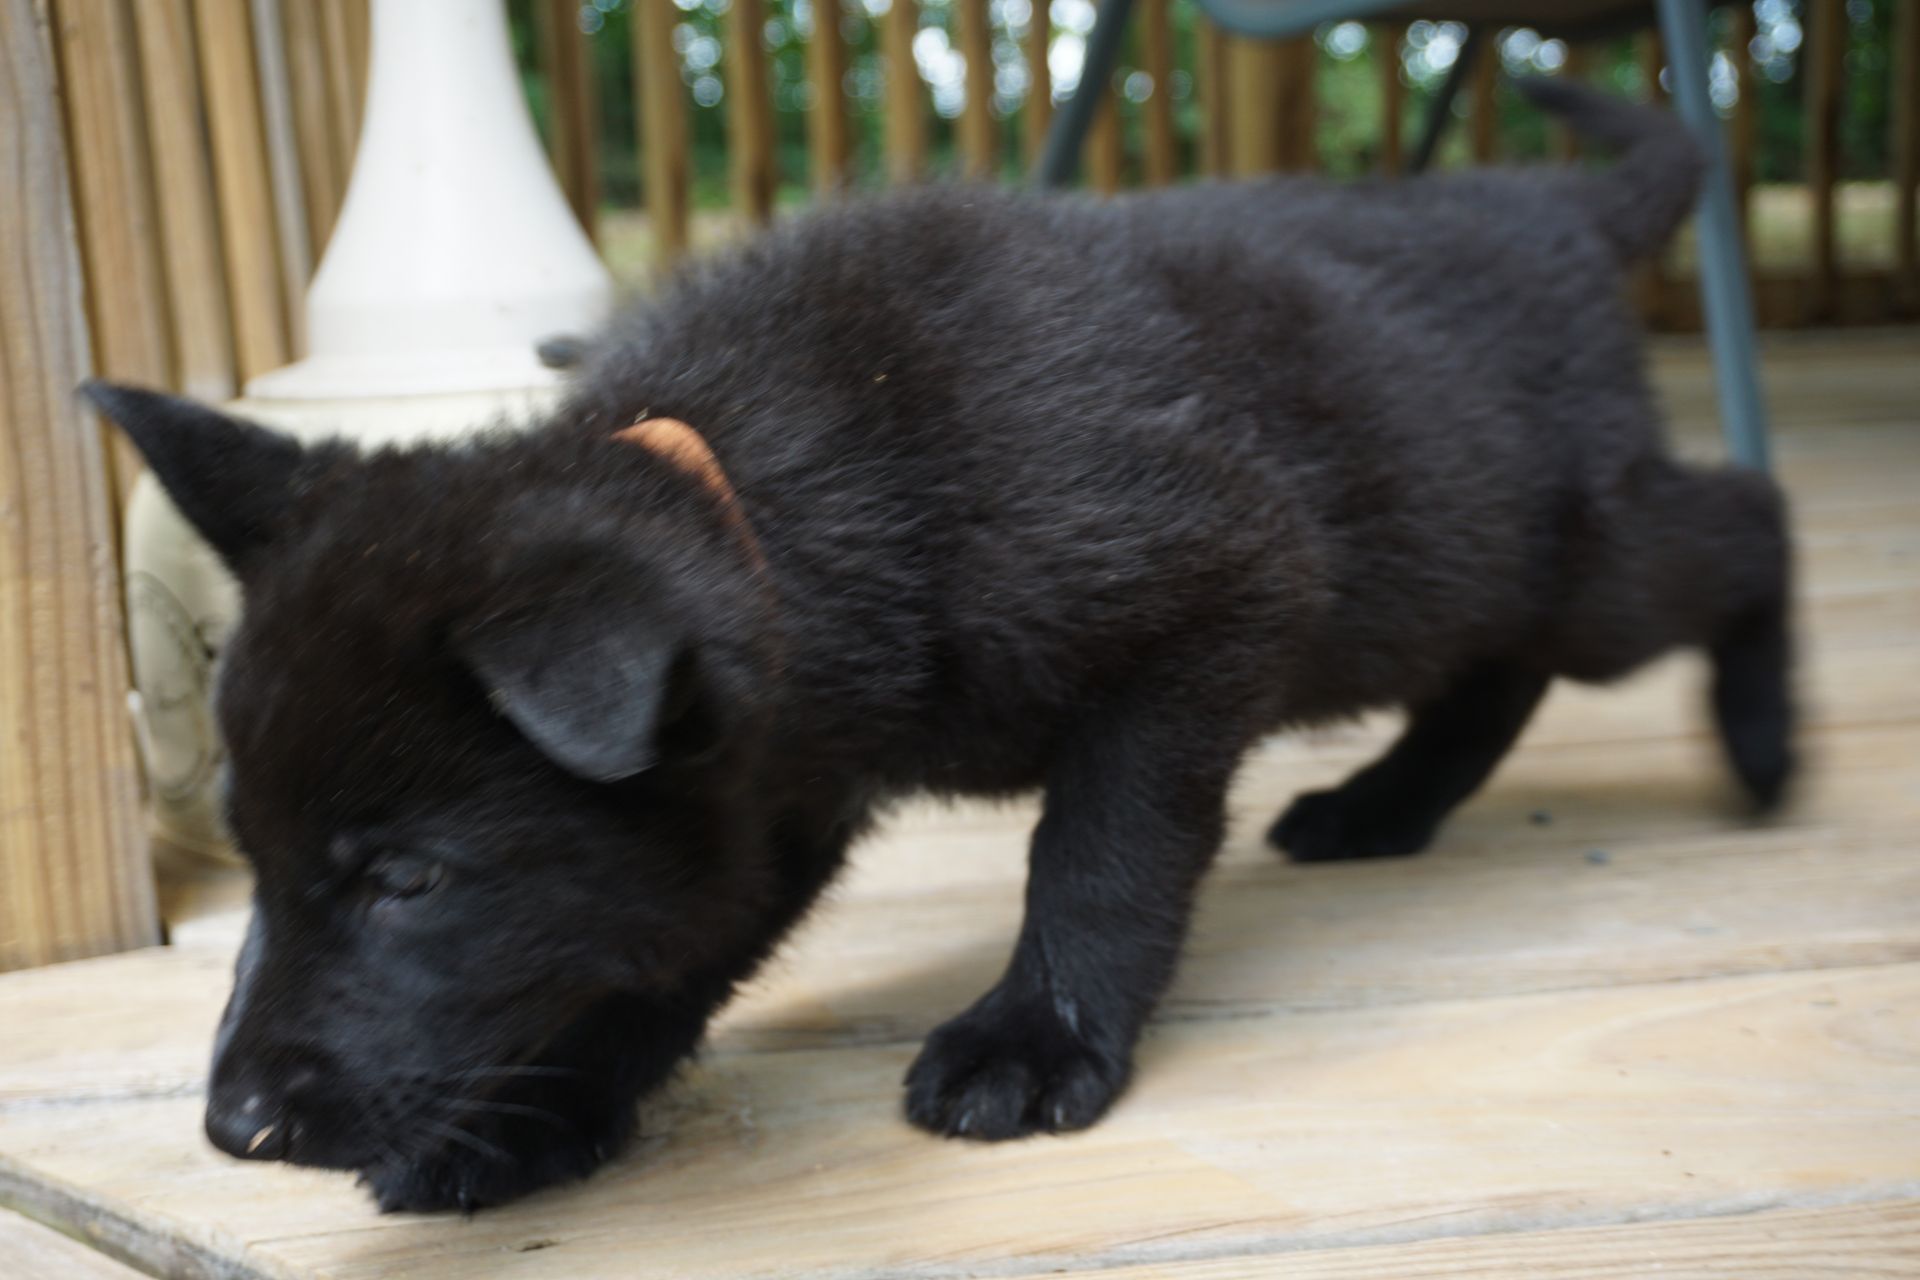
(1641, 200)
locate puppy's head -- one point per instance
(488, 711)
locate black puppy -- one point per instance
(541, 742)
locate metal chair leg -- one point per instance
(1067, 135)
(1440, 112)
(1725, 294)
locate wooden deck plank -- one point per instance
(1850, 1242)
(1501, 905)
(1607, 1027)
(29, 1251)
(1434, 1119)
(1373, 1125)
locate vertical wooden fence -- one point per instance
(73, 874)
(1257, 112)
(169, 173)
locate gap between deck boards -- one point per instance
(153, 1248)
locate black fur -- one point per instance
(536, 765)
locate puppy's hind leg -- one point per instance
(1753, 703)
(1450, 746)
(1696, 557)
(1752, 652)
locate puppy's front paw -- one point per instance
(1326, 826)
(1005, 1071)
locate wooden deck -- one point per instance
(1604, 1029)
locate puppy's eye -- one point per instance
(400, 876)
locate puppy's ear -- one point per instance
(232, 480)
(594, 673)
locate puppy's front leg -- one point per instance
(1135, 810)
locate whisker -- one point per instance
(508, 1109)
(473, 1142)
(479, 1073)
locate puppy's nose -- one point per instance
(255, 1120)
(255, 1127)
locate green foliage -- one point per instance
(1348, 91)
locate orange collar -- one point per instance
(679, 444)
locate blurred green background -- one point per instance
(1348, 87)
(1349, 101)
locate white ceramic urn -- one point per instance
(455, 254)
